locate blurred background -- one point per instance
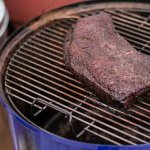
(13, 14)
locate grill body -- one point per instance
(29, 137)
(26, 134)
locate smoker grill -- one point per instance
(48, 108)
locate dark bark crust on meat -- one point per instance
(103, 90)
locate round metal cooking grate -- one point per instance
(40, 88)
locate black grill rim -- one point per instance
(18, 37)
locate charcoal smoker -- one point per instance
(48, 108)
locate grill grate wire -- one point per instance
(37, 75)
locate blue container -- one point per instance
(29, 137)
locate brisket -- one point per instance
(105, 61)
